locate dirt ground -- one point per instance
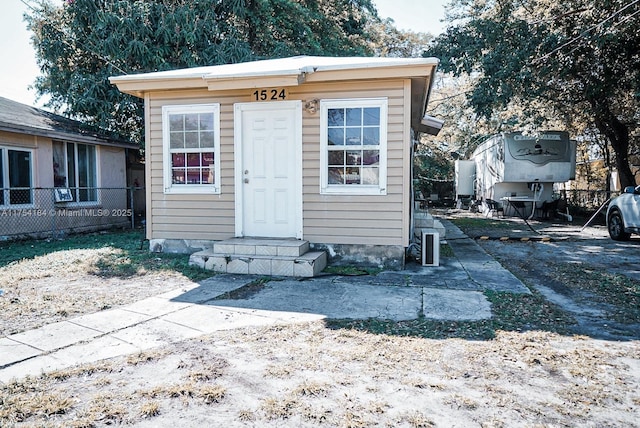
(315, 375)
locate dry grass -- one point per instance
(374, 373)
(345, 378)
(48, 281)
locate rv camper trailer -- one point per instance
(516, 172)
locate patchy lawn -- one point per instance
(524, 367)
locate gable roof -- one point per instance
(293, 71)
(23, 119)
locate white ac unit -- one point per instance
(430, 247)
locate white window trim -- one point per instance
(169, 188)
(5, 179)
(74, 190)
(353, 189)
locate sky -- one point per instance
(18, 68)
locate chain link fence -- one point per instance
(54, 212)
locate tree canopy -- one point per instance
(576, 60)
(80, 44)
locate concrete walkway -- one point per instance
(451, 291)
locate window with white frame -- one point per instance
(353, 155)
(16, 176)
(191, 142)
(75, 166)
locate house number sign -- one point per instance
(275, 94)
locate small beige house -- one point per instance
(59, 176)
(317, 149)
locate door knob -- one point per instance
(246, 180)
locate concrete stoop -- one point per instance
(272, 257)
(424, 220)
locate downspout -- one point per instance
(412, 235)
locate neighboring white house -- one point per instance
(313, 148)
(57, 175)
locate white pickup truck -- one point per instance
(623, 214)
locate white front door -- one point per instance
(268, 152)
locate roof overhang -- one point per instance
(295, 71)
(65, 136)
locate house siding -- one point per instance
(36, 219)
(329, 219)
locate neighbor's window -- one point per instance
(75, 166)
(354, 146)
(191, 141)
(16, 177)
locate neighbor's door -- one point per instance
(269, 169)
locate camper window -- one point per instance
(353, 137)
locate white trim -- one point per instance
(168, 186)
(239, 168)
(277, 67)
(5, 188)
(353, 189)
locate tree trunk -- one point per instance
(618, 135)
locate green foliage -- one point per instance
(80, 44)
(433, 170)
(575, 60)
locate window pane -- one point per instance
(71, 165)
(352, 176)
(371, 157)
(336, 157)
(176, 140)
(191, 122)
(59, 165)
(176, 122)
(370, 176)
(206, 122)
(1, 177)
(193, 159)
(335, 117)
(353, 137)
(336, 176)
(371, 136)
(371, 116)
(177, 159)
(336, 137)
(19, 176)
(177, 176)
(87, 173)
(354, 157)
(191, 140)
(207, 140)
(354, 117)
(193, 176)
(19, 168)
(207, 158)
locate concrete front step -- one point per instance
(261, 247)
(272, 257)
(437, 225)
(306, 265)
(422, 219)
